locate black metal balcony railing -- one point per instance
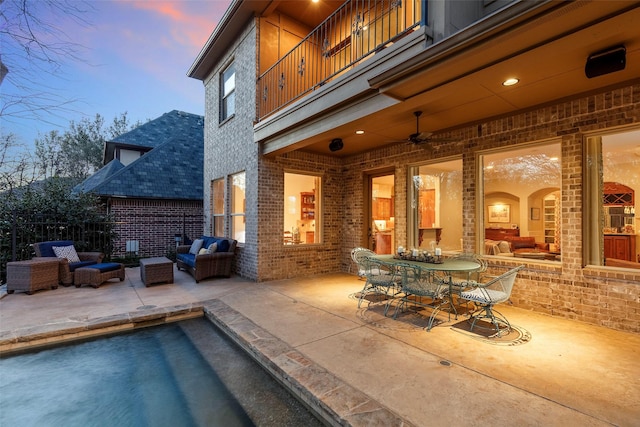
(356, 30)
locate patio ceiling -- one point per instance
(463, 85)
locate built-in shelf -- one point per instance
(307, 205)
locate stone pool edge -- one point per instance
(34, 337)
(336, 402)
(333, 400)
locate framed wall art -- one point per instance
(535, 214)
(499, 213)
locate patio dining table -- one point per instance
(446, 266)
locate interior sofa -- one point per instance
(202, 260)
(521, 244)
(66, 267)
(514, 245)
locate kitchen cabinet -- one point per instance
(382, 208)
(620, 246)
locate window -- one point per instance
(522, 202)
(301, 209)
(217, 207)
(611, 185)
(436, 206)
(228, 93)
(238, 205)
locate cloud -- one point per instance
(190, 22)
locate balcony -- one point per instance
(349, 36)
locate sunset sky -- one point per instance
(135, 57)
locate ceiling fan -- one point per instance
(419, 138)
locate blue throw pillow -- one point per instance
(46, 248)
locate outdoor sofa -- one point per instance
(207, 257)
(66, 268)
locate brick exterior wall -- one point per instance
(154, 224)
(229, 146)
(595, 295)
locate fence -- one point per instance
(136, 236)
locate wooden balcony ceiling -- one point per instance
(459, 81)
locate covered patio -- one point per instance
(357, 366)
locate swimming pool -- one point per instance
(150, 377)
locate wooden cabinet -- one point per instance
(307, 205)
(427, 209)
(382, 208)
(383, 243)
(620, 246)
(500, 233)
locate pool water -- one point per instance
(150, 377)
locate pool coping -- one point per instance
(334, 401)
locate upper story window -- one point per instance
(228, 93)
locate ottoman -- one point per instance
(32, 275)
(97, 274)
(156, 270)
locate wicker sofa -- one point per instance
(202, 262)
(66, 269)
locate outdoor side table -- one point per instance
(156, 270)
(32, 275)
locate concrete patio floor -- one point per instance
(356, 366)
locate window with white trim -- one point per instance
(228, 93)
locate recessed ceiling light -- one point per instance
(554, 159)
(510, 82)
(359, 132)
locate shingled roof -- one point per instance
(171, 170)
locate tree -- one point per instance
(16, 165)
(49, 211)
(78, 152)
(33, 44)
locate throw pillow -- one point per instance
(504, 247)
(68, 252)
(213, 248)
(196, 246)
(203, 251)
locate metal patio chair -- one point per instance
(486, 295)
(424, 288)
(381, 279)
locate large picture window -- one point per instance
(611, 184)
(238, 205)
(436, 206)
(228, 93)
(522, 202)
(302, 209)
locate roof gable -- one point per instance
(171, 170)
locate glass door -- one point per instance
(381, 217)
